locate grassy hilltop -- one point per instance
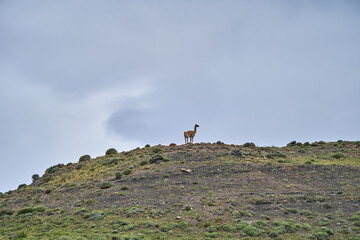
(193, 191)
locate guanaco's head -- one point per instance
(196, 125)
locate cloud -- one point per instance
(78, 77)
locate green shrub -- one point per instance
(118, 175)
(54, 168)
(291, 144)
(273, 234)
(21, 186)
(36, 209)
(211, 235)
(338, 155)
(84, 158)
(110, 161)
(111, 151)
(260, 224)
(156, 158)
(156, 150)
(306, 144)
(249, 144)
(39, 208)
(95, 216)
(323, 222)
(35, 177)
(6, 212)
(127, 172)
(79, 166)
(355, 217)
(188, 208)
(105, 185)
(241, 225)
(306, 213)
(290, 210)
(322, 234)
(251, 231)
(122, 222)
(144, 162)
(276, 155)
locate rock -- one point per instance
(186, 170)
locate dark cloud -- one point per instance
(77, 77)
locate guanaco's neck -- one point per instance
(195, 128)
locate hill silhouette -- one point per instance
(193, 191)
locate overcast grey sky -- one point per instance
(79, 77)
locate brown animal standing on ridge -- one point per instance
(190, 134)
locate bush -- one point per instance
(118, 175)
(338, 155)
(105, 185)
(25, 210)
(38, 190)
(111, 161)
(291, 144)
(147, 145)
(290, 210)
(127, 172)
(6, 212)
(21, 186)
(84, 158)
(158, 158)
(249, 144)
(276, 155)
(111, 151)
(96, 216)
(79, 166)
(211, 235)
(322, 234)
(323, 222)
(54, 168)
(156, 150)
(251, 231)
(35, 177)
(144, 162)
(306, 213)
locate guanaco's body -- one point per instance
(190, 134)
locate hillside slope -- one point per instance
(194, 191)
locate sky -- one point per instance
(79, 77)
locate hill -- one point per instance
(193, 191)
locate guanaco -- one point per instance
(190, 134)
